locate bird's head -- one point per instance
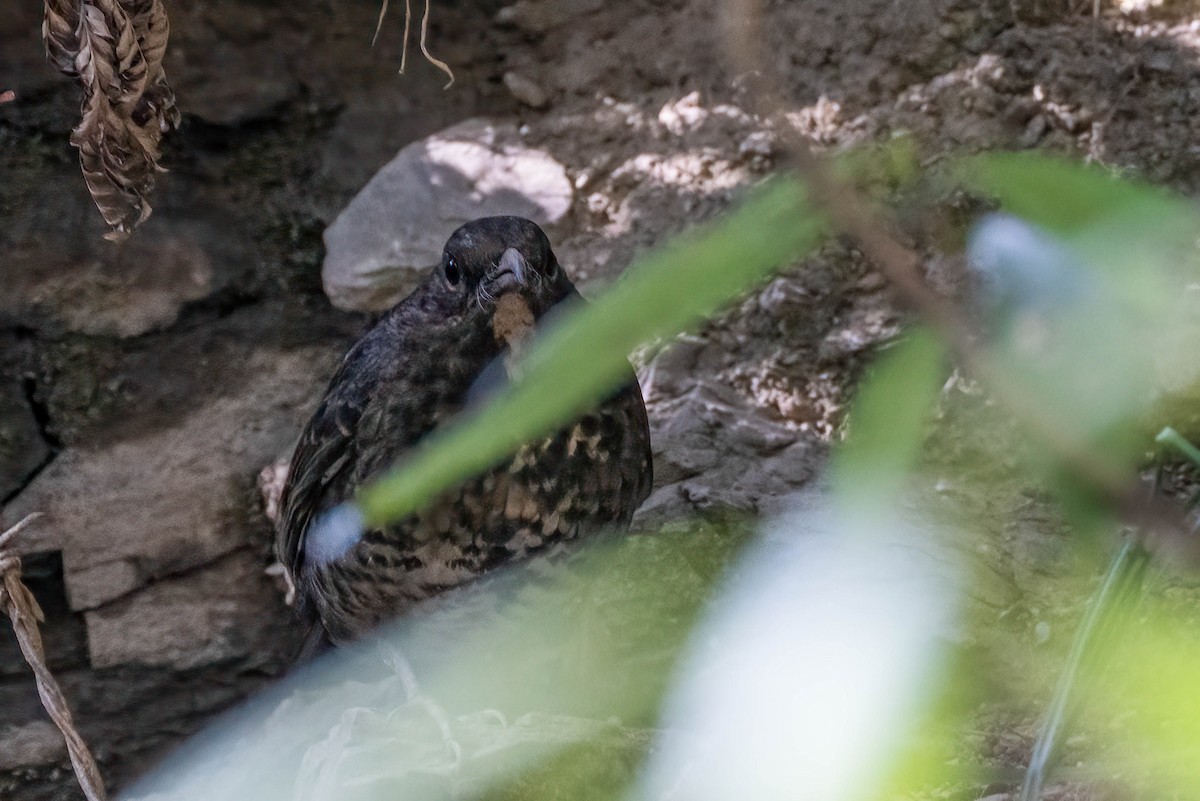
(491, 257)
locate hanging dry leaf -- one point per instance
(115, 50)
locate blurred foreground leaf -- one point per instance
(1093, 295)
(813, 676)
(584, 355)
(1145, 714)
(1066, 196)
(528, 681)
(888, 424)
(806, 676)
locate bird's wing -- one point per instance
(319, 475)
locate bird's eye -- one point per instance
(453, 274)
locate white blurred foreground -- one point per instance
(793, 670)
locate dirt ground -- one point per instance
(149, 383)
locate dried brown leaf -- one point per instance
(152, 29)
(115, 50)
(59, 31)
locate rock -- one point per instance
(205, 617)
(38, 742)
(526, 90)
(365, 136)
(1034, 130)
(167, 502)
(714, 450)
(94, 585)
(256, 79)
(380, 246)
(22, 448)
(121, 295)
(61, 274)
(758, 148)
(683, 115)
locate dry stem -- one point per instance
(23, 610)
(441, 65)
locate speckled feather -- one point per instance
(413, 372)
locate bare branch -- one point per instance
(441, 65)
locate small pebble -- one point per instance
(526, 90)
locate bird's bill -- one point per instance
(510, 274)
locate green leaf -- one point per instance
(1147, 712)
(585, 356)
(1065, 196)
(887, 423)
(536, 683)
(1099, 344)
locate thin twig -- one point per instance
(901, 266)
(407, 28)
(442, 65)
(23, 610)
(379, 26)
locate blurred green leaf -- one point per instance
(597, 770)
(1066, 196)
(1092, 520)
(585, 356)
(888, 423)
(530, 683)
(1101, 322)
(808, 680)
(1146, 715)
(1142, 238)
(1169, 436)
(930, 761)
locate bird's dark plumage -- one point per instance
(435, 352)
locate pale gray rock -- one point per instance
(394, 229)
(526, 90)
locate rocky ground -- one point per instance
(143, 387)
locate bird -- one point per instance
(441, 350)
